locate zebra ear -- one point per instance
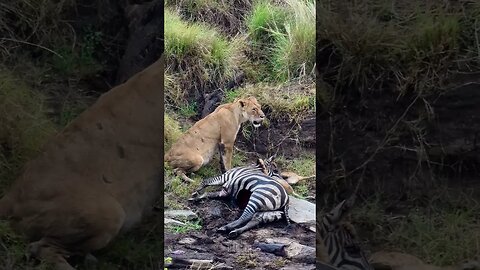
(271, 159)
(260, 162)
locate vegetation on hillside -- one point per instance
(381, 67)
(56, 58)
(271, 47)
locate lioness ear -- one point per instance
(253, 99)
(242, 102)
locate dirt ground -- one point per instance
(239, 253)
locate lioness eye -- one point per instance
(254, 109)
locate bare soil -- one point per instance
(239, 253)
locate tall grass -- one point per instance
(171, 131)
(210, 51)
(445, 233)
(294, 51)
(24, 127)
(411, 47)
(264, 17)
(285, 37)
(36, 24)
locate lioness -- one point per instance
(217, 130)
(97, 177)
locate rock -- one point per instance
(181, 214)
(301, 211)
(187, 241)
(296, 266)
(299, 252)
(196, 261)
(291, 249)
(169, 221)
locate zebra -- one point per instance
(268, 200)
(339, 239)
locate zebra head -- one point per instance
(339, 240)
(269, 167)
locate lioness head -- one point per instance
(251, 110)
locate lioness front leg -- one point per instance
(179, 172)
(227, 156)
(45, 251)
(221, 150)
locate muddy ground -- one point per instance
(287, 140)
(239, 253)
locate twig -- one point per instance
(384, 141)
(31, 44)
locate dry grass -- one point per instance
(198, 56)
(37, 24)
(290, 101)
(226, 16)
(24, 126)
(402, 47)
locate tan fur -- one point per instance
(97, 177)
(197, 146)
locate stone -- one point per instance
(187, 241)
(181, 214)
(292, 249)
(169, 221)
(301, 211)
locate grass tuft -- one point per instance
(294, 51)
(292, 101)
(213, 53)
(283, 38)
(264, 17)
(171, 131)
(24, 127)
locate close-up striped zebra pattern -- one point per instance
(339, 240)
(268, 201)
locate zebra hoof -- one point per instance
(233, 234)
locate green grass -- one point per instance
(263, 19)
(24, 126)
(213, 52)
(188, 227)
(411, 48)
(303, 165)
(443, 234)
(171, 131)
(188, 110)
(283, 38)
(294, 51)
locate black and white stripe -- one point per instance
(339, 240)
(266, 194)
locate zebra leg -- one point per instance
(213, 181)
(246, 216)
(287, 218)
(210, 195)
(258, 218)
